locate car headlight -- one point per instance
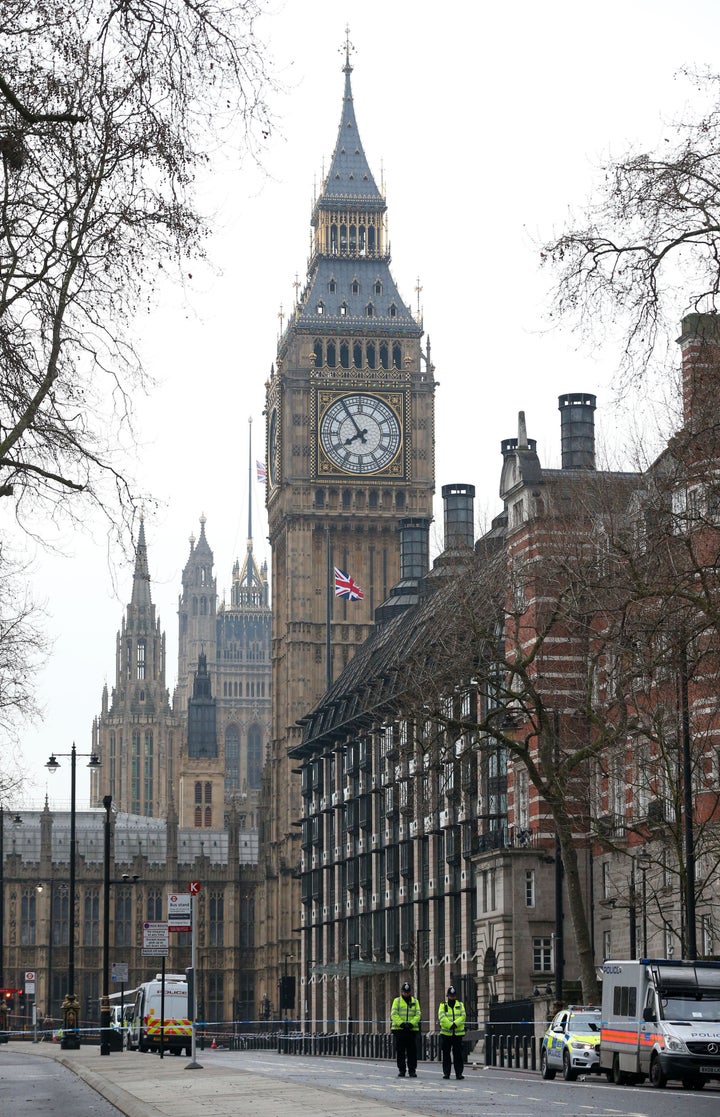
(676, 1045)
(582, 1047)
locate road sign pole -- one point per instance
(193, 1064)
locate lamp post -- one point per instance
(105, 1002)
(688, 835)
(71, 1005)
(644, 859)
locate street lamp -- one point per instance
(71, 1005)
(644, 859)
(105, 1002)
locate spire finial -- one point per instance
(347, 68)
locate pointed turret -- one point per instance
(141, 578)
(350, 176)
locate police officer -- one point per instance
(451, 1017)
(405, 1025)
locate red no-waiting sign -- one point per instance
(194, 887)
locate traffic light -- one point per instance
(9, 995)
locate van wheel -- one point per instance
(545, 1071)
(658, 1078)
(568, 1073)
(618, 1076)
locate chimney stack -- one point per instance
(700, 346)
(577, 430)
(459, 514)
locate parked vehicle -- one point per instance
(572, 1043)
(661, 1019)
(148, 1029)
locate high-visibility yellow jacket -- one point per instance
(405, 1011)
(449, 1014)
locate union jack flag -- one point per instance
(346, 587)
(261, 471)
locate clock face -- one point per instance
(273, 447)
(360, 433)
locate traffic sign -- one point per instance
(120, 970)
(194, 887)
(179, 912)
(30, 983)
(155, 940)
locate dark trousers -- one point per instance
(406, 1051)
(452, 1054)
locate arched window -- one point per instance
(208, 817)
(141, 659)
(331, 354)
(384, 355)
(320, 307)
(393, 310)
(333, 238)
(343, 309)
(198, 818)
(370, 355)
(344, 355)
(198, 792)
(396, 355)
(355, 287)
(332, 286)
(362, 240)
(371, 239)
(208, 792)
(317, 350)
(343, 238)
(254, 757)
(378, 287)
(353, 238)
(232, 758)
(357, 355)
(369, 311)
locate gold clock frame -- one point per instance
(324, 469)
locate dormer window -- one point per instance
(343, 309)
(332, 286)
(378, 287)
(370, 310)
(321, 308)
(393, 310)
(355, 287)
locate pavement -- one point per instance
(143, 1085)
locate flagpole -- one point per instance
(328, 612)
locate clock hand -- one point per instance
(360, 433)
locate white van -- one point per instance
(660, 1020)
(148, 1029)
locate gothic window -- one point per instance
(28, 917)
(396, 355)
(319, 498)
(254, 757)
(198, 792)
(135, 773)
(384, 355)
(331, 354)
(343, 238)
(393, 310)
(378, 287)
(332, 286)
(60, 913)
(361, 240)
(346, 498)
(353, 238)
(232, 758)
(208, 792)
(194, 606)
(357, 355)
(129, 658)
(217, 915)
(141, 659)
(344, 355)
(343, 309)
(149, 771)
(92, 917)
(155, 905)
(317, 350)
(320, 308)
(399, 500)
(370, 311)
(123, 917)
(208, 817)
(371, 239)
(203, 607)
(198, 817)
(371, 358)
(333, 238)
(355, 287)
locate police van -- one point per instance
(155, 1022)
(660, 1020)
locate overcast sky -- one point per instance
(488, 123)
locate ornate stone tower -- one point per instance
(350, 454)
(136, 735)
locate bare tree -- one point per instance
(107, 113)
(649, 241)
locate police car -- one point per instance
(572, 1043)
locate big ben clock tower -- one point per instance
(350, 453)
